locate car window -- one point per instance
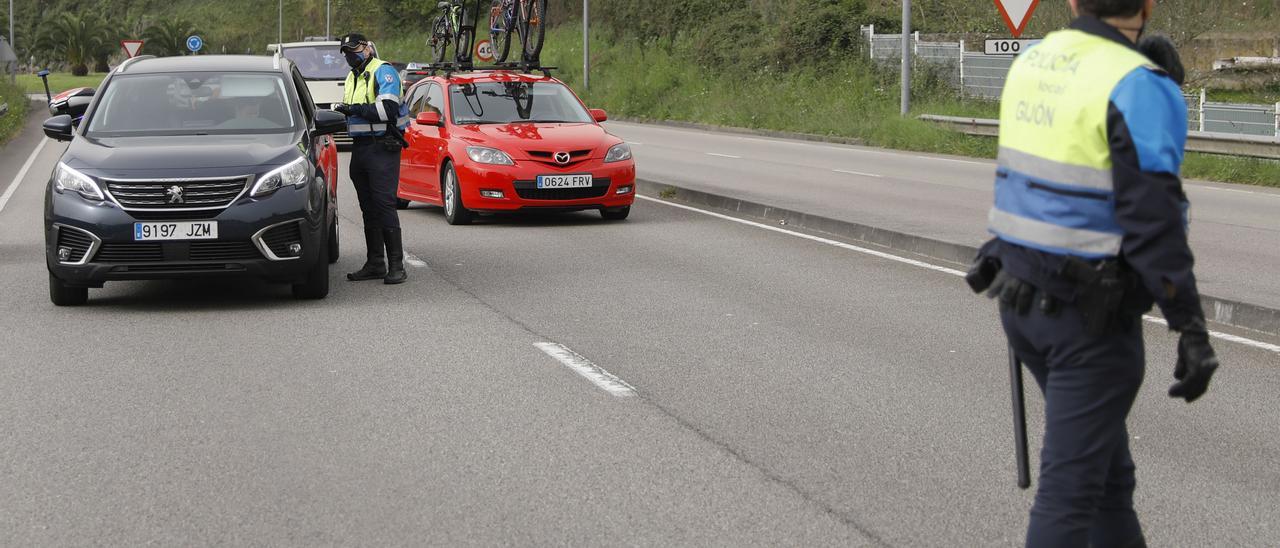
(435, 99)
(193, 103)
(414, 100)
(515, 102)
(304, 95)
(318, 62)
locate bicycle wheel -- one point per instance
(440, 38)
(464, 46)
(534, 24)
(500, 23)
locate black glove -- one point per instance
(1012, 292)
(1196, 363)
(1160, 50)
(342, 109)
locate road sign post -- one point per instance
(586, 45)
(906, 57)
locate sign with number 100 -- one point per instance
(1008, 47)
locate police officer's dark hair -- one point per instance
(1110, 8)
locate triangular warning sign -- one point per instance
(131, 47)
(1016, 14)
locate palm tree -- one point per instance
(75, 38)
(168, 37)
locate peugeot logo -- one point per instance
(175, 194)
(562, 158)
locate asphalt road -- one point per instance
(771, 391)
(1235, 230)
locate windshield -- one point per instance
(318, 62)
(194, 103)
(515, 102)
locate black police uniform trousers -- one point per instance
(375, 172)
(1085, 497)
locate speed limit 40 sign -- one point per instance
(484, 51)
(1008, 47)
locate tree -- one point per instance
(74, 38)
(168, 37)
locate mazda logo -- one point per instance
(562, 158)
(175, 194)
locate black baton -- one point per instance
(1019, 420)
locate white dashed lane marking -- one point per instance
(590, 371)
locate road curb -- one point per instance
(1237, 314)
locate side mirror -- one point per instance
(329, 122)
(58, 128)
(428, 118)
(599, 115)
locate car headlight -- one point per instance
(296, 173)
(66, 179)
(618, 153)
(486, 155)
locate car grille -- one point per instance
(177, 252)
(186, 215)
(130, 253)
(278, 239)
(78, 242)
(223, 251)
(529, 190)
(548, 157)
(201, 193)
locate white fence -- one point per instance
(982, 76)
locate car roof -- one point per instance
(333, 43)
(202, 63)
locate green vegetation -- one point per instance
(1232, 169)
(58, 82)
(12, 122)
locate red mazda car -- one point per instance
(484, 142)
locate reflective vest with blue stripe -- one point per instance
(1054, 190)
(378, 82)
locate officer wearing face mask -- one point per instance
(375, 121)
(1090, 232)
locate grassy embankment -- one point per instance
(58, 82)
(12, 121)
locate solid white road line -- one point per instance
(22, 173)
(1153, 319)
(718, 155)
(847, 172)
(590, 371)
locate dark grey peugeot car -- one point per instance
(193, 166)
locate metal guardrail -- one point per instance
(1208, 142)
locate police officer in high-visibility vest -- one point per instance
(1090, 230)
(375, 121)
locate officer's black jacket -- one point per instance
(1149, 207)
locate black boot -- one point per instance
(395, 257)
(375, 266)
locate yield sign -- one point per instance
(131, 47)
(1016, 14)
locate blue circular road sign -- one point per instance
(194, 43)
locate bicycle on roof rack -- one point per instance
(526, 18)
(448, 69)
(456, 27)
